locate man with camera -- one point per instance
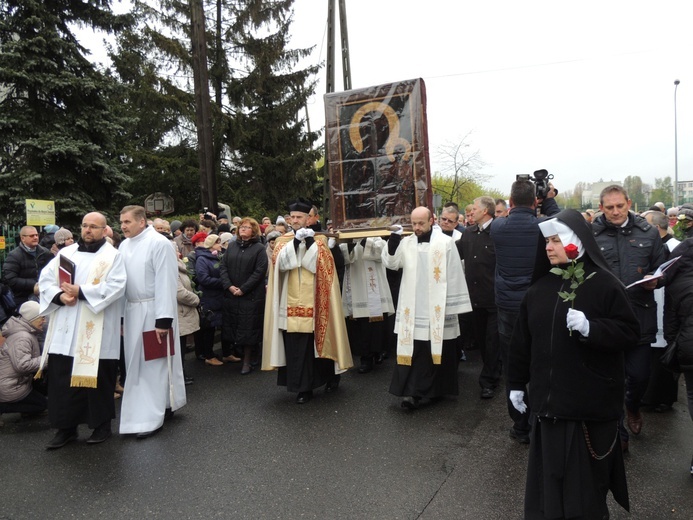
(515, 240)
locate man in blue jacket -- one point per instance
(515, 241)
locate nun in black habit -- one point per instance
(573, 361)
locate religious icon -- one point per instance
(377, 150)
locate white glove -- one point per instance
(304, 233)
(517, 398)
(576, 320)
(396, 229)
(331, 243)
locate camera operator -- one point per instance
(515, 239)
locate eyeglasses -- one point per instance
(92, 227)
(450, 220)
(245, 227)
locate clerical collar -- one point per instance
(90, 248)
(426, 237)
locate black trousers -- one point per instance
(70, 406)
(303, 371)
(32, 403)
(486, 338)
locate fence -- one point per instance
(11, 236)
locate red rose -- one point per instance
(571, 251)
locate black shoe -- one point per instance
(487, 393)
(99, 435)
(692, 468)
(168, 414)
(410, 403)
(188, 380)
(522, 438)
(247, 369)
(379, 358)
(62, 438)
(145, 435)
(366, 365)
(304, 397)
(661, 408)
(333, 384)
(463, 356)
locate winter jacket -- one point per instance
(21, 271)
(19, 359)
(208, 280)
(632, 251)
(678, 314)
(573, 377)
(188, 317)
(515, 240)
(244, 265)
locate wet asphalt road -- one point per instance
(242, 448)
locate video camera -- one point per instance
(541, 182)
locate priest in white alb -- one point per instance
(433, 292)
(81, 291)
(154, 388)
(366, 299)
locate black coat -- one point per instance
(21, 271)
(244, 265)
(632, 251)
(208, 280)
(479, 255)
(678, 313)
(572, 377)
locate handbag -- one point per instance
(670, 358)
(206, 317)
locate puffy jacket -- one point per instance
(188, 317)
(632, 251)
(21, 271)
(678, 318)
(19, 359)
(208, 279)
(515, 239)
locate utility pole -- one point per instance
(346, 75)
(203, 115)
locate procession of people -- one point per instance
(562, 312)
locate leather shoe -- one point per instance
(487, 393)
(522, 438)
(410, 403)
(634, 421)
(213, 362)
(231, 359)
(145, 435)
(304, 397)
(99, 435)
(333, 384)
(247, 369)
(624, 446)
(366, 365)
(62, 438)
(662, 408)
(188, 380)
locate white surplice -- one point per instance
(366, 293)
(150, 294)
(105, 296)
(432, 292)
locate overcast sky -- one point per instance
(583, 89)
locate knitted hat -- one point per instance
(686, 212)
(223, 215)
(62, 235)
(225, 238)
(175, 225)
(29, 311)
(200, 236)
(51, 228)
(273, 235)
(211, 240)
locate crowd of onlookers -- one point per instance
(217, 252)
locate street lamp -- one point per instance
(676, 150)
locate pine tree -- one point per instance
(59, 134)
(272, 154)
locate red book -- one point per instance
(152, 348)
(66, 270)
